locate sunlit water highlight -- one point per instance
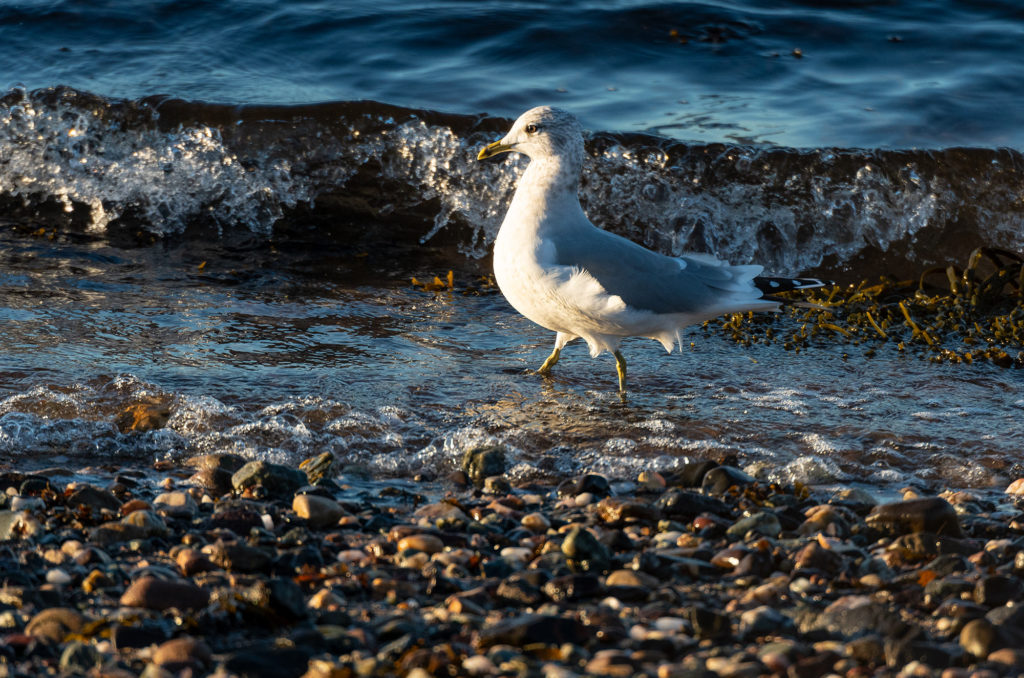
(286, 355)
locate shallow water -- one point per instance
(215, 209)
(281, 355)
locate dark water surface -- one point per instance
(216, 208)
(913, 73)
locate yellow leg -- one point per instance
(550, 362)
(620, 367)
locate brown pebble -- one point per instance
(134, 505)
(158, 594)
(181, 653)
(54, 623)
(317, 511)
(536, 522)
(427, 543)
(192, 562)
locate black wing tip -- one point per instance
(774, 285)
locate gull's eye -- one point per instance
(531, 128)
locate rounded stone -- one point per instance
(482, 462)
(317, 511)
(157, 594)
(536, 522)
(425, 543)
(978, 637)
(180, 653)
(178, 504)
(926, 514)
(54, 623)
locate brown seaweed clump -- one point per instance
(948, 314)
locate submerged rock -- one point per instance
(480, 463)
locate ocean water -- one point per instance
(216, 209)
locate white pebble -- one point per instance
(520, 553)
(58, 576)
(479, 665)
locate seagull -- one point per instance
(577, 280)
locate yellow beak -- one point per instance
(491, 150)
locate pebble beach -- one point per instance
(227, 567)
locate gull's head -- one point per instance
(541, 132)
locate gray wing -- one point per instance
(654, 282)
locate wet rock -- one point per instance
(216, 481)
(92, 498)
(997, 590)
(719, 479)
(319, 469)
(183, 653)
(616, 511)
(483, 462)
(590, 483)
(692, 474)
(534, 628)
(927, 514)
(54, 623)
(851, 616)
(319, 512)
(277, 479)
(157, 594)
(763, 523)
(497, 485)
(176, 504)
(142, 417)
(684, 505)
(855, 498)
(584, 552)
(238, 557)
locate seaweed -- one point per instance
(947, 315)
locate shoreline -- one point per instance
(223, 567)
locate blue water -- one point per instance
(246, 262)
(869, 74)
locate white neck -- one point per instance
(547, 196)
